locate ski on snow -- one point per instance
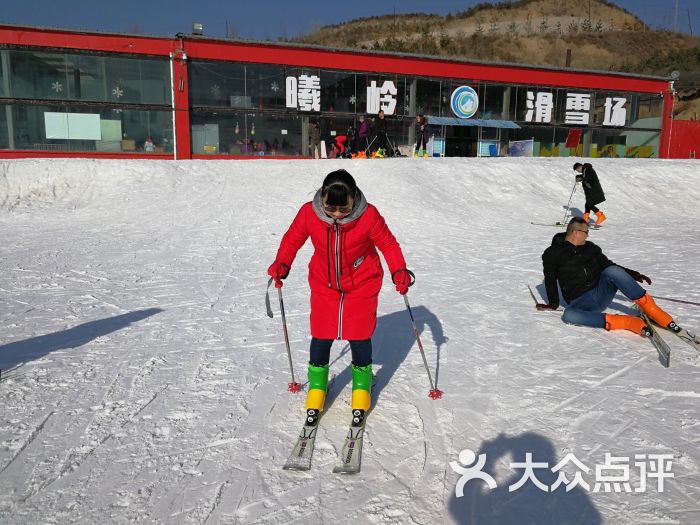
(351, 454)
(661, 346)
(689, 337)
(300, 458)
(303, 451)
(561, 225)
(557, 224)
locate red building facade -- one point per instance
(68, 93)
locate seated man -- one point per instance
(589, 282)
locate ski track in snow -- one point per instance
(150, 386)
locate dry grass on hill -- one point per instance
(534, 32)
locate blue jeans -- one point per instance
(586, 309)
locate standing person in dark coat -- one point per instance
(315, 139)
(421, 136)
(593, 190)
(380, 138)
(589, 282)
(351, 146)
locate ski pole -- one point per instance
(369, 145)
(568, 206)
(532, 294)
(293, 386)
(434, 392)
(671, 299)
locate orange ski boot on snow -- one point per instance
(600, 217)
(625, 322)
(656, 314)
(586, 216)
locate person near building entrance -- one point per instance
(421, 136)
(345, 276)
(315, 139)
(589, 281)
(587, 176)
(363, 135)
(381, 141)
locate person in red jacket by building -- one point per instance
(345, 277)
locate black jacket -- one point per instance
(576, 268)
(591, 185)
(380, 126)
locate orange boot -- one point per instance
(656, 314)
(624, 322)
(600, 217)
(586, 216)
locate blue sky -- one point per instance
(271, 19)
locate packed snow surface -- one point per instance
(143, 381)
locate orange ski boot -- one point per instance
(624, 322)
(656, 314)
(600, 217)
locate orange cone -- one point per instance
(624, 322)
(655, 313)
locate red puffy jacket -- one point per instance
(345, 273)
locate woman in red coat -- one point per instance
(345, 276)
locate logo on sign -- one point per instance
(464, 102)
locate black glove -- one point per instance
(639, 277)
(542, 306)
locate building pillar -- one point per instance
(412, 110)
(5, 64)
(587, 139)
(181, 104)
(505, 113)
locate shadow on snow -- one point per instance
(392, 340)
(20, 352)
(527, 504)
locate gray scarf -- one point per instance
(358, 208)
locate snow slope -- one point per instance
(149, 385)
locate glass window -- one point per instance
(625, 143)
(543, 106)
(266, 86)
(429, 98)
(448, 87)
(221, 84)
(218, 84)
(499, 102)
(646, 111)
(61, 128)
(245, 133)
(57, 76)
(3, 77)
(338, 92)
(38, 75)
(615, 106)
(4, 136)
(365, 81)
(137, 80)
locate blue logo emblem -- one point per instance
(464, 102)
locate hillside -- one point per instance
(535, 32)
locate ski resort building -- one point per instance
(88, 94)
